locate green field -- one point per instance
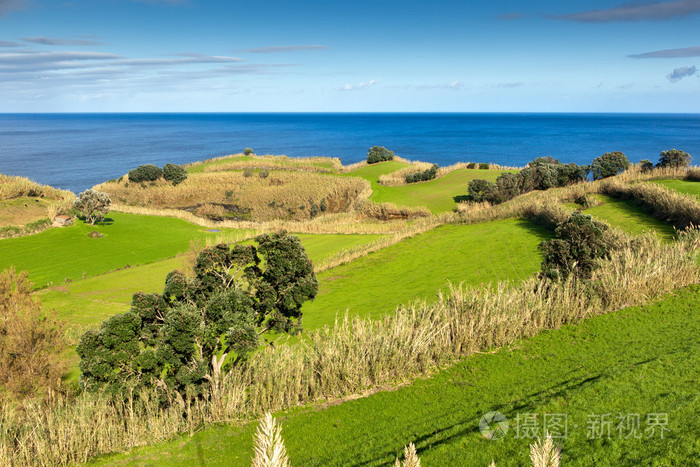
(89, 301)
(635, 362)
(630, 217)
(418, 267)
(682, 186)
(68, 253)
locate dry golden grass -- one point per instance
(353, 356)
(241, 161)
(269, 445)
(282, 195)
(398, 178)
(14, 187)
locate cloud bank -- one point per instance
(680, 73)
(670, 53)
(638, 11)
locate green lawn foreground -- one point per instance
(616, 372)
(631, 218)
(683, 186)
(64, 253)
(417, 268)
(90, 301)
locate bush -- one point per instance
(674, 158)
(471, 165)
(172, 338)
(92, 205)
(646, 165)
(323, 206)
(248, 151)
(484, 166)
(609, 164)
(480, 190)
(579, 245)
(145, 173)
(264, 173)
(379, 154)
(423, 176)
(248, 172)
(174, 173)
(31, 343)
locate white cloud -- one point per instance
(358, 86)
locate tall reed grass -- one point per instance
(14, 187)
(354, 356)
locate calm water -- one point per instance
(77, 151)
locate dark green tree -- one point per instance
(92, 205)
(674, 158)
(236, 294)
(379, 154)
(248, 151)
(480, 190)
(580, 243)
(174, 173)
(609, 164)
(646, 165)
(145, 173)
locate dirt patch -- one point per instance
(95, 234)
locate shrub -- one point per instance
(145, 173)
(609, 164)
(31, 343)
(323, 206)
(248, 172)
(174, 173)
(423, 176)
(171, 338)
(580, 243)
(379, 154)
(92, 205)
(264, 173)
(674, 158)
(471, 165)
(645, 165)
(313, 211)
(484, 166)
(248, 151)
(479, 190)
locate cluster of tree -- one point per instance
(423, 176)
(169, 339)
(541, 174)
(580, 243)
(248, 151)
(149, 173)
(92, 205)
(673, 158)
(31, 343)
(379, 154)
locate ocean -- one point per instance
(77, 151)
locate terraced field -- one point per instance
(629, 217)
(682, 186)
(627, 366)
(418, 267)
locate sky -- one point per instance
(340, 56)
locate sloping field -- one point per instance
(629, 217)
(682, 186)
(623, 387)
(58, 254)
(89, 301)
(416, 268)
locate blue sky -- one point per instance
(360, 56)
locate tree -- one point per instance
(174, 173)
(646, 165)
(30, 343)
(379, 154)
(92, 205)
(170, 339)
(479, 190)
(145, 173)
(579, 244)
(674, 158)
(609, 164)
(248, 151)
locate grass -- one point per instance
(640, 360)
(240, 161)
(682, 186)
(20, 211)
(58, 254)
(631, 218)
(439, 195)
(416, 268)
(89, 301)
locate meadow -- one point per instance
(638, 361)
(682, 186)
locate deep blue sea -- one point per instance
(77, 151)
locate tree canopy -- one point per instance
(609, 164)
(92, 205)
(237, 293)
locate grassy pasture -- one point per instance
(67, 253)
(23, 210)
(416, 268)
(640, 360)
(682, 186)
(630, 217)
(89, 301)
